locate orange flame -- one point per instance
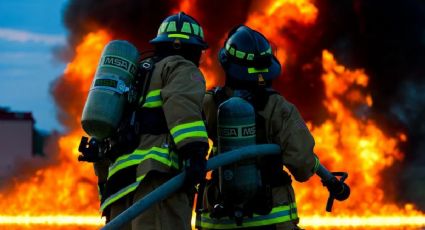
(69, 187)
(347, 143)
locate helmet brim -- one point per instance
(240, 72)
(163, 38)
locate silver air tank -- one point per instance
(236, 128)
(108, 93)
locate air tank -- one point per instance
(108, 94)
(236, 128)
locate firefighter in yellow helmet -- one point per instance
(167, 133)
(250, 67)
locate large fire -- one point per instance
(347, 141)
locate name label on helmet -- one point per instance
(121, 63)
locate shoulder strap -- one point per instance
(143, 79)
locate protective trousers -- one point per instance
(170, 214)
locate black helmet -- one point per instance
(180, 28)
(247, 56)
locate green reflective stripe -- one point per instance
(122, 192)
(254, 70)
(189, 135)
(201, 32)
(118, 195)
(250, 57)
(154, 93)
(122, 166)
(153, 104)
(232, 51)
(171, 27)
(316, 164)
(278, 214)
(184, 36)
(269, 50)
(153, 99)
(240, 54)
(187, 130)
(186, 125)
(195, 28)
(186, 28)
(99, 193)
(140, 178)
(162, 27)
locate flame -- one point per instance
(274, 16)
(345, 142)
(64, 191)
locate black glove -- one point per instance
(193, 155)
(93, 150)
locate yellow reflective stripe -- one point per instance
(118, 195)
(153, 99)
(190, 134)
(153, 104)
(140, 178)
(138, 156)
(153, 93)
(178, 36)
(99, 193)
(122, 192)
(187, 130)
(278, 214)
(254, 70)
(122, 166)
(186, 125)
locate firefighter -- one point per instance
(250, 67)
(169, 134)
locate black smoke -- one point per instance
(384, 37)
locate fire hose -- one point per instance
(162, 192)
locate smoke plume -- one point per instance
(386, 38)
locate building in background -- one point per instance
(19, 142)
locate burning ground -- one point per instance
(353, 68)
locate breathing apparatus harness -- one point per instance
(270, 167)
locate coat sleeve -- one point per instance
(288, 129)
(210, 111)
(182, 94)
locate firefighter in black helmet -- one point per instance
(171, 135)
(250, 67)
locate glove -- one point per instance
(93, 150)
(193, 155)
